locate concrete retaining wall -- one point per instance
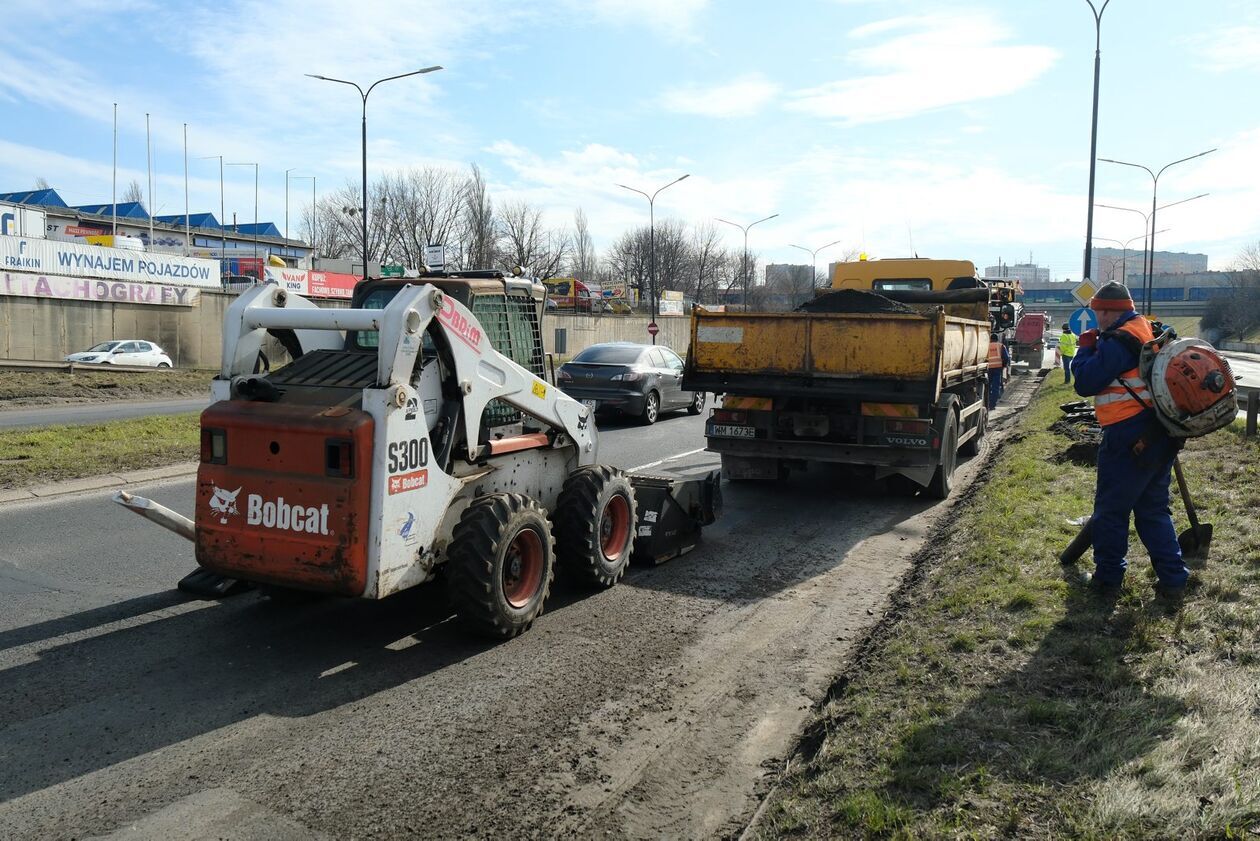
(48, 328)
(585, 330)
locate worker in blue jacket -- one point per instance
(1136, 454)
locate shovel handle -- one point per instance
(1185, 493)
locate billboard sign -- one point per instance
(25, 254)
(435, 255)
(314, 284)
(24, 285)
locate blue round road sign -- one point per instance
(1082, 320)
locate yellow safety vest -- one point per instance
(1067, 344)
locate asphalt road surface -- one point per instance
(657, 708)
(98, 412)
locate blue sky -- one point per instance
(960, 126)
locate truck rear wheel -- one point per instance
(500, 564)
(943, 479)
(595, 520)
(973, 445)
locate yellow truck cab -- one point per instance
(894, 382)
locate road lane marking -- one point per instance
(667, 458)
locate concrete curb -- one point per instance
(99, 483)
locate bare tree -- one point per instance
(422, 207)
(706, 257)
(134, 192)
(479, 237)
(527, 244)
(1238, 312)
(628, 260)
(41, 183)
(585, 261)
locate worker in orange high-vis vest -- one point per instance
(999, 361)
(1136, 454)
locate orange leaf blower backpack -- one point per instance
(1192, 385)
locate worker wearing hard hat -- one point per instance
(1136, 454)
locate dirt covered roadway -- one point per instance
(660, 708)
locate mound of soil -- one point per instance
(852, 300)
(1085, 439)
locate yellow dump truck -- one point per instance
(893, 382)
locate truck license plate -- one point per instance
(727, 431)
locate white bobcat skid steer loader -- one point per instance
(366, 463)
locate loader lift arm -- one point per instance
(482, 373)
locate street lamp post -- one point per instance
(1150, 272)
(255, 166)
(652, 242)
(364, 95)
(286, 202)
(222, 219)
(745, 228)
(813, 257)
(1093, 131)
(1148, 251)
(314, 249)
(1124, 250)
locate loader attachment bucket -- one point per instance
(672, 511)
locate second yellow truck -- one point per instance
(895, 384)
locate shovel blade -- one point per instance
(1195, 542)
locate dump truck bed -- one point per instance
(899, 356)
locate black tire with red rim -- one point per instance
(500, 564)
(595, 520)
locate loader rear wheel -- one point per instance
(500, 564)
(595, 520)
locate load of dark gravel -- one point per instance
(852, 300)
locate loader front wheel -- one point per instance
(500, 564)
(595, 520)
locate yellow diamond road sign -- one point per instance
(1083, 292)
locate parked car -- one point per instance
(124, 352)
(619, 306)
(639, 380)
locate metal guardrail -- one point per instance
(35, 365)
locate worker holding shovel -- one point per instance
(1136, 455)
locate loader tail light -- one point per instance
(727, 416)
(339, 458)
(214, 446)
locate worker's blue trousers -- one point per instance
(1136, 485)
(995, 387)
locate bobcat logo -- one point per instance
(223, 503)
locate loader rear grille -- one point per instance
(329, 369)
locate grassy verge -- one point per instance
(1002, 700)
(28, 387)
(35, 456)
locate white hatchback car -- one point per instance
(124, 352)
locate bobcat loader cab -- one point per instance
(421, 437)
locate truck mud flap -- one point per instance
(205, 584)
(672, 512)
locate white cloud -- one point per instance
(742, 97)
(1226, 50)
(673, 18)
(929, 62)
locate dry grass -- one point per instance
(1007, 701)
(35, 456)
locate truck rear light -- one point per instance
(339, 458)
(214, 446)
(727, 416)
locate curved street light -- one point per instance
(652, 242)
(365, 95)
(745, 228)
(813, 257)
(1148, 254)
(1124, 247)
(1150, 272)
(1093, 131)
